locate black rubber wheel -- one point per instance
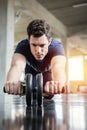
(28, 89)
(39, 85)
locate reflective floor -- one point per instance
(63, 112)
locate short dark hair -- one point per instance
(38, 28)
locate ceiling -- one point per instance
(72, 13)
(68, 18)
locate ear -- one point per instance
(50, 39)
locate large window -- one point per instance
(76, 71)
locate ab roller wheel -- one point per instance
(30, 89)
(39, 85)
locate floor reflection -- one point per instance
(64, 112)
(33, 119)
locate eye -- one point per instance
(42, 45)
(34, 45)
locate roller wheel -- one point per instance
(39, 85)
(29, 89)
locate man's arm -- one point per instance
(17, 67)
(58, 69)
(58, 75)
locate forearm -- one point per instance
(12, 84)
(58, 74)
(58, 81)
(14, 73)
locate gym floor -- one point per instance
(63, 112)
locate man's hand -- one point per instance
(53, 87)
(13, 88)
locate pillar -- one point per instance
(6, 43)
(67, 49)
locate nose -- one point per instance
(38, 49)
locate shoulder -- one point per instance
(56, 47)
(24, 42)
(55, 42)
(22, 47)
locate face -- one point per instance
(39, 46)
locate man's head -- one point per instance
(39, 34)
(38, 28)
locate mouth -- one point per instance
(39, 56)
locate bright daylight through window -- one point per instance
(75, 68)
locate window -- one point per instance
(76, 68)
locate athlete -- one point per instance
(39, 53)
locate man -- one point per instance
(39, 53)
